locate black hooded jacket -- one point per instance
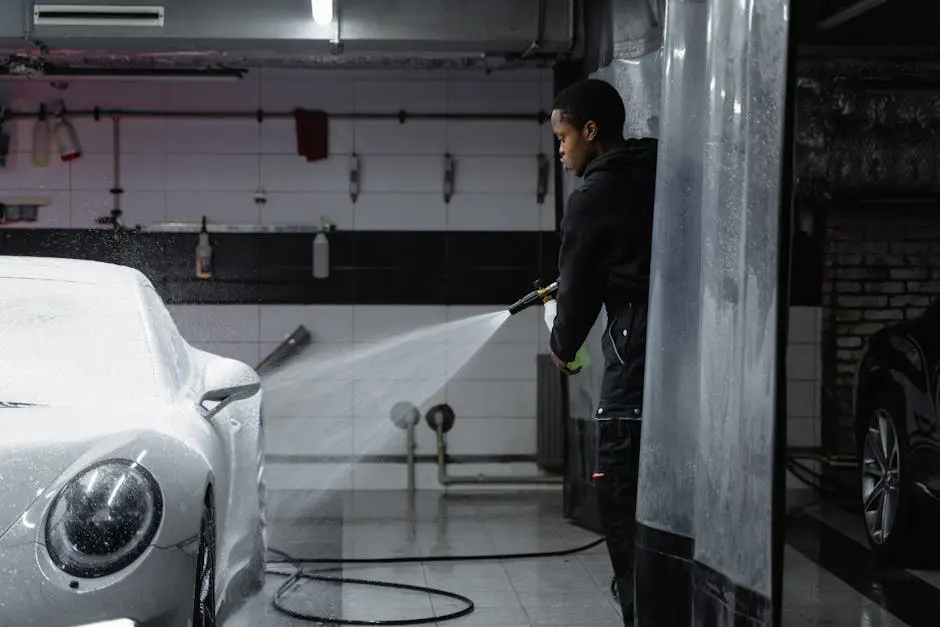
(606, 237)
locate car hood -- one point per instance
(40, 445)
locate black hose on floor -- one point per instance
(799, 470)
(300, 574)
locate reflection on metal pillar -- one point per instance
(706, 477)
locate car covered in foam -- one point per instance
(131, 472)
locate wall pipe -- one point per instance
(411, 445)
(402, 116)
(481, 479)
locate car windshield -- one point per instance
(72, 344)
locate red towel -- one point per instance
(313, 129)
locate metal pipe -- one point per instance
(447, 480)
(410, 446)
(539, 117)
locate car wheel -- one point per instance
(204, 602)
(886, 483)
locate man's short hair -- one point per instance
(592, 100)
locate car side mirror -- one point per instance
(226, 382)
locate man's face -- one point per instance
(575, 146)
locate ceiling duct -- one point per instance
(92, 15)
(279, 33)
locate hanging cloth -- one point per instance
(313, 129)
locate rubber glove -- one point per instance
(581, 359)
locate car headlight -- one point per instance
(104, 519)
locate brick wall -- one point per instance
(881, 266)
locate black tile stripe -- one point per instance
(909, 598)
(367, 267)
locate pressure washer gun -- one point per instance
(545, 295)
(541, 295)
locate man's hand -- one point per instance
(563, 366)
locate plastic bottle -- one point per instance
(66, 138)
(42, 142)
(204, 253)
(321, 254)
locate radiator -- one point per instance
(550, 417)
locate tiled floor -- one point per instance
(570, 591)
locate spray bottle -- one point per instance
(204, 253)
(41, 140)
(65, 136)
(546, 296)
(321, 251)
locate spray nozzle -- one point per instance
(540, 295)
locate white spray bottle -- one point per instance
(321, 252)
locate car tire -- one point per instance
(886, 486)
(204, 593)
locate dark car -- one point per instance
(897, 398)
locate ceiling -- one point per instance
(282, 33)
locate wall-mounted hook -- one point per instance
(449, 168)
(542, 187)
(354, 177)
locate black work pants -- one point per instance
(615, 480)
(618, 441)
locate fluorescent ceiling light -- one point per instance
(322, 11)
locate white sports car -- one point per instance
(131, 489)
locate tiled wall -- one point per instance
(804, 373)
(178, 170)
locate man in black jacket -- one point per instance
(605, 260)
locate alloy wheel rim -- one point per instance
(880, 476)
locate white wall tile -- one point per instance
(209, 173)
(492, 138)
(502, 361)
(390, 174)
(492, 436)
(801, 398)
(498, 175)
(144, 135)
(373, 323)
(292, 173)
(213, 137)
(389, 137)
(494, 398)
(493, 212)
(19, 174)
(801, 362)
(308, 436)
(804, 326)
(326, 323)
(397, 212)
